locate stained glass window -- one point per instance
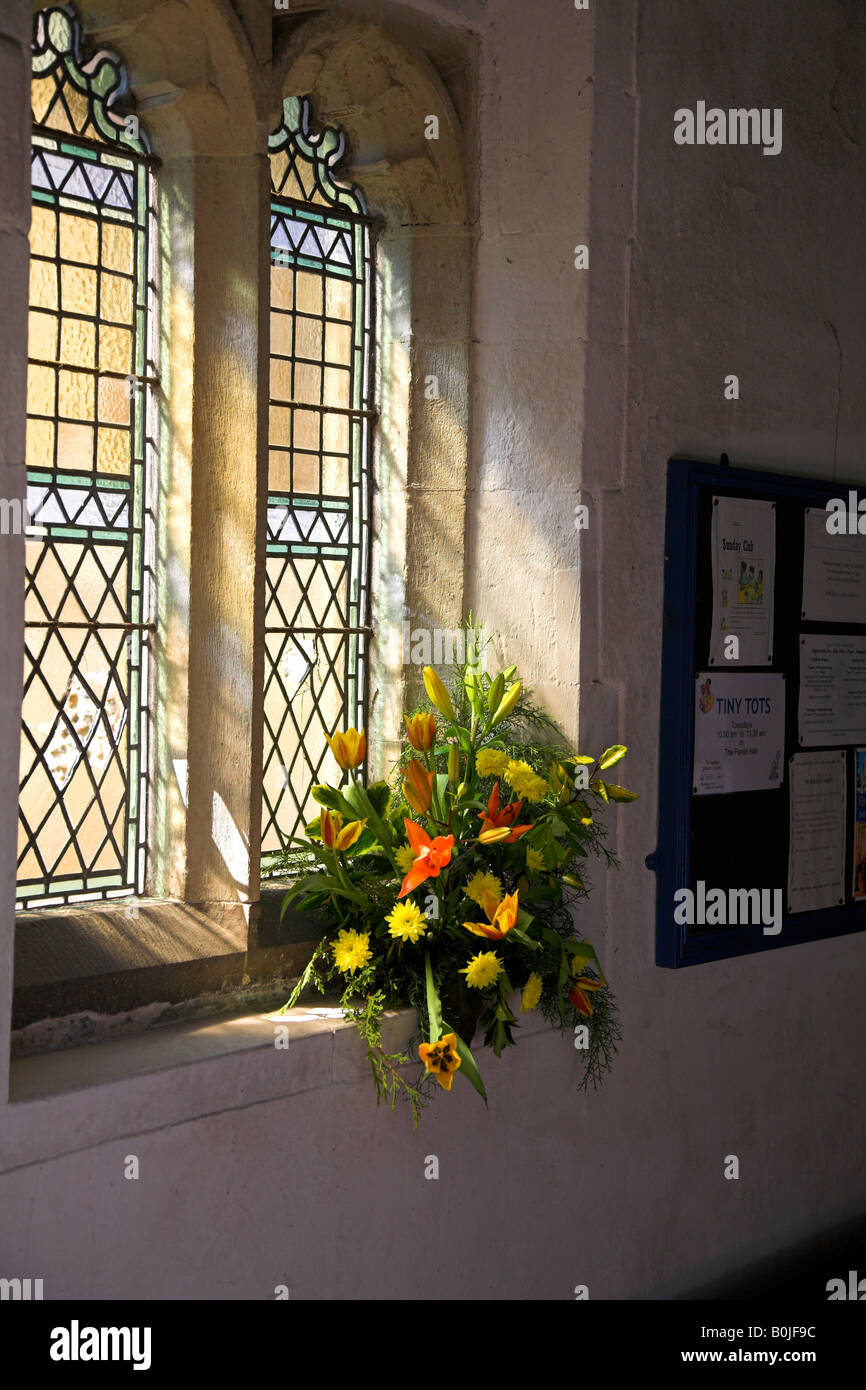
(90, 470)
(318, 513)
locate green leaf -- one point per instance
(469, 1069)
(597, 786)
(611, 755)
(380, 795)
(524, 940)
(581, 759)
(617, 793)
(321, 882)
(434, 1004)
(333, 800)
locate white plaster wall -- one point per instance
(703, 262)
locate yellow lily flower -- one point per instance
(334, 836)
(442, 1058)
(438, 694)
(501, 917)
(421, 729)
(348, 748)
(579, 994)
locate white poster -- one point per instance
(816, 855)
(744, 575)
(834, 573)
(832, 690)
(739, 733)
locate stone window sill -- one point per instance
(67, 1101)
(114, 958)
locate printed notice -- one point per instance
(834, 573)
(860, 823)
(832, 690)
(816, 859)
(739, 733)
(744, 573)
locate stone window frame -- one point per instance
(205, 929)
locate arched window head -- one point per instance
(304, 162)
(317, 603)
(75, 97)
(91, 435)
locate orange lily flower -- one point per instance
(441, 1058)
(501, 917)
(348, 748)
(421, 729)
(577, 994)
(334, 836)
(431, 856)
(418, 787)
(498, 818)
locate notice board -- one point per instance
(762, 781)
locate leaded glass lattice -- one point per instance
(90, 450)
(321, 419)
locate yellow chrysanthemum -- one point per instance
(534, 859)
(481, 886)
(525, 782)
(491, 762)
(405, 857)
(406, 922)
(352, 951)
(531, 993)
(482, 970)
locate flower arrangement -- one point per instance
(453, 890)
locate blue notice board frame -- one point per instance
(686, 564)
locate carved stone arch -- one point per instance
(365, 81)
(379, 92)
(192, 73)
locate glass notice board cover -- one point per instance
(728, 880)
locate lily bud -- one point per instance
(496, 835)
(462, 789)
(418, 788)
(438, 694)
(507, 704)
(453, 764)
(494, 694)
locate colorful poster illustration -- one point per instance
(834, 573)
(832, 707)
(739, 733)
(819, 808)
(860, 824)
(744, 577)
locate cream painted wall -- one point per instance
(702, 262)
